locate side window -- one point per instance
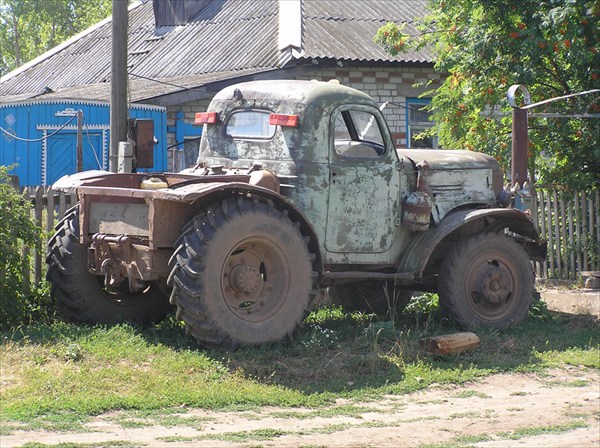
(357, 134)
(250, 124)
(417, 121)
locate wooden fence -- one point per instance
(569, 222)
(49, 207)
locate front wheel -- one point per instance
(242, 274)
(486, 281)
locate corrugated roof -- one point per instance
(344, 29)
(235, 36)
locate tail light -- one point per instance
(205, 117)
(283, 120)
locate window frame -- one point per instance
(265, 112)
(420, 125)
(354, 133)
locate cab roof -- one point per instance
(323, 95)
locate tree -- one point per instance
(28, 28)
(487, 45)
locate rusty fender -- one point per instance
(419, 252)
(171, 209)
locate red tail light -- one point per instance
(283, 120)
(205, 117)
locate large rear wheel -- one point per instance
(486, 281)
(82, 297)
(242, 274)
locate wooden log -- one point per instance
(450, 343)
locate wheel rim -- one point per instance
(491, 286)
(255, 279)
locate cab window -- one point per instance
(250, 124)
(357, 135)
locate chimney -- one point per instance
(176, 12)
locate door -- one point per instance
(61, 154)
(364, 183)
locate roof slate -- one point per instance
(228, 38)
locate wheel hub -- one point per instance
(495, 286)
(245, 278)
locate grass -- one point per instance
(59, 376)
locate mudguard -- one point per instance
(419, 252)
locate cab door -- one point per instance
(364, 184)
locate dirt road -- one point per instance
(558, 409)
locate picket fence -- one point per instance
(568, 221)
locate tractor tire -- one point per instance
(486, 281)
(81, 296)
(242, 274)
(371, 296)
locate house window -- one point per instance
(417, 121)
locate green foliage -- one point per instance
(17, 230)
(28, 28)
(486, 46)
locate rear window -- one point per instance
(250, 124)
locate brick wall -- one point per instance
(391, 84)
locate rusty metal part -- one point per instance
(416, 209)
(255, 279)
(266, 179)
(490, 285)
(122, 257)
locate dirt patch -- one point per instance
(573, 301)
(559, 408)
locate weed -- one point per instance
(470, 394)
(530, 431)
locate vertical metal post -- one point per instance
(519, 147)
(519, 133)
(79, 141)
(118, 82)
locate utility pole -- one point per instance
(118, 81)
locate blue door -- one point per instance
(62, 154)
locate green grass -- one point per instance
(58, 376)
(107, 444)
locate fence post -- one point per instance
(26, 252)
(37, 250)
(50, 210)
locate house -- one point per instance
(181, 52)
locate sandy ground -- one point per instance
(484, 413)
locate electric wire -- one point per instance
(29, 140)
